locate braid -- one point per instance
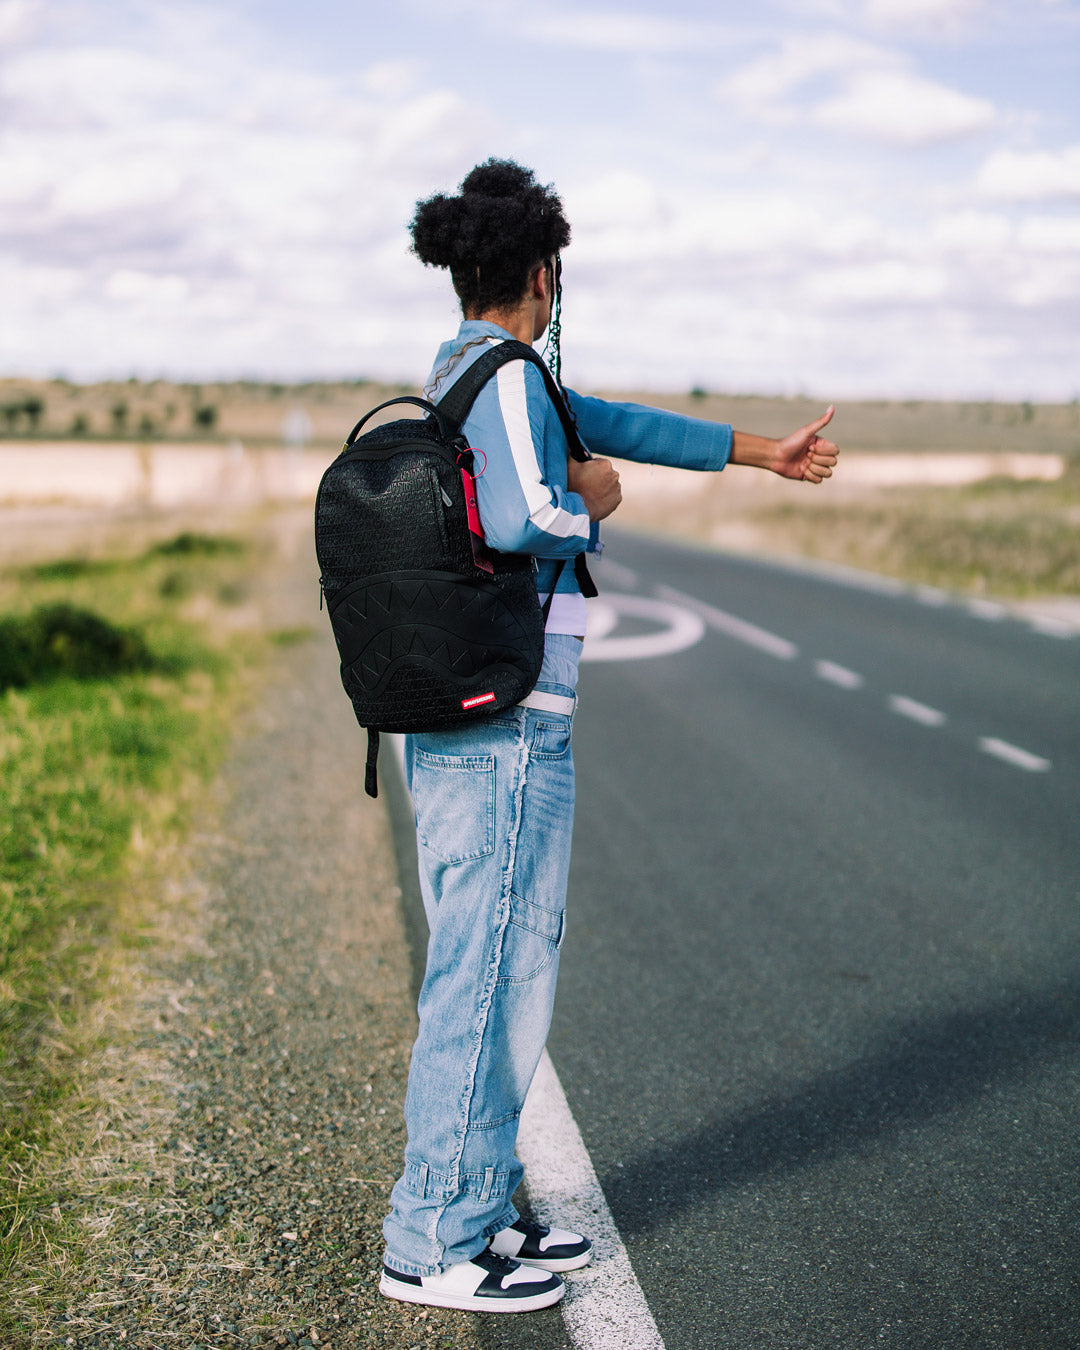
(552, 348)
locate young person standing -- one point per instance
(494, 800)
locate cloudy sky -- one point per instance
(843, 197)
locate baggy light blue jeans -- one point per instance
(494, 807)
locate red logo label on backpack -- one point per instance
(467, 703)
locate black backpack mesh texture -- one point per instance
(427, 639)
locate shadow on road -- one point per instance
(927, 1070)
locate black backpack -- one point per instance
(433, 628)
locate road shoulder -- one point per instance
(248, 1101)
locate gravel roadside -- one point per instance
(253, 1086)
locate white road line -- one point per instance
(734, 627)
(604, 1307)
(846, 679)
(1012, 754)
(987, 609)
(608, 570)
(930, 595)
(843, 576)
(917, 712)
(1048, 626)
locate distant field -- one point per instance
(254, 413)
(998, 537)
(267, 414)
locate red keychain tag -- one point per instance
(472, 513)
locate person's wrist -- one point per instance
(758, 452)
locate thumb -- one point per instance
(822, 421)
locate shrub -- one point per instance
(190, 542)
(54, 641)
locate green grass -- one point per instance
(62, 640)
(106, 733)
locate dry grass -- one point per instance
(100, 1159)
(1008, 540)
(249, 411)
(99, 782)
(1013, 540)
(150, 1099)
(256, 413)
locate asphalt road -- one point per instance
(819, 1009)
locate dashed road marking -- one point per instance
(604, 1307)
(1013, 754)
(1051, 627)
(846, 679)
(917, 712)
(987, 609)
(608, 570)
(734, 627)
(842, 575)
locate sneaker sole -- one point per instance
(557, 1267)
(411, 1293)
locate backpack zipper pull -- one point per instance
(320, 595)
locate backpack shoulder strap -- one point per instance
(461, 395)
(459, 398)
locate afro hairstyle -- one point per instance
(502, 223)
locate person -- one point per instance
(494, 800)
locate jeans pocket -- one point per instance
(454, 799)
(551, 740)
(532, 938)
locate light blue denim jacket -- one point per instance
(521, 489)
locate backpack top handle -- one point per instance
(446, 428)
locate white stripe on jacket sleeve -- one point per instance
(544, 513)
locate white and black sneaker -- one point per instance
(533, 1244)
(487, 1283)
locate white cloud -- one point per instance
(625, 32)
(17, 19)
(180, 199)
(922, 13)
(1045, 282)
(871, 92)
(1050, 234)
(126, 284)
(612, 31)
(1031, 175)
(616, 200)
(888, 281)
(168, 208)
(95, 87)
(933, 16)
(972, 231)
(133, 182)
(389, 79)
(904, 109)
(803, 61)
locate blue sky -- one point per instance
(842, 197)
